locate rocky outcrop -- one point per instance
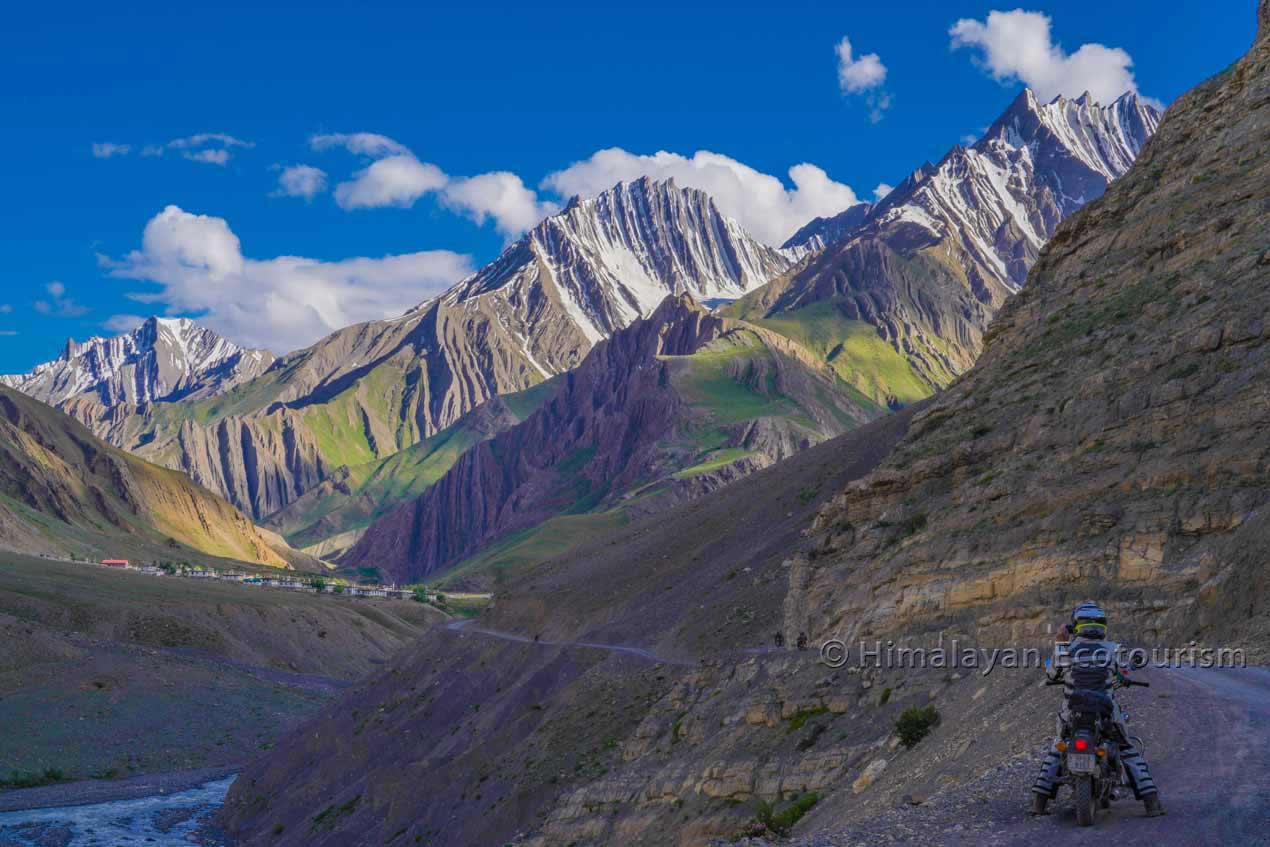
(1112, 440)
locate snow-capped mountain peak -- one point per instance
(612, 258)
(1002, 197)
(162, 359)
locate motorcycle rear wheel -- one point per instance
(1084, 791)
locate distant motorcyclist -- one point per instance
(1092, 666)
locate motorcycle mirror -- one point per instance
(1137, 659)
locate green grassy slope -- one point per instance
(853, 348)
(331, 516)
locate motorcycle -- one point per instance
(1090, 747)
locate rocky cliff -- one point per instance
(1112, 440)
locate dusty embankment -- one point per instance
(108, 674)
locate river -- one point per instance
(178, 819)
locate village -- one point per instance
(312, 584)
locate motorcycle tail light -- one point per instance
(1081, 745)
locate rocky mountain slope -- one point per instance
(639, 706)
(664, 410)
(1112, 440)
(930, 265)
(330, 517)
(163, 360)
(64, 491)
(369, 390)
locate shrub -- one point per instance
(915, 723)
(800, 718)
(781, 822)
(886, 695)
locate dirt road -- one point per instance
(468, 626)
(1208, 743)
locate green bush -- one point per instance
(886, 695)
(782, 821)
(915, 723)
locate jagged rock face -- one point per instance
(933, 262)
(614, 258)
(84, 491)
(617, 417)
(164, 359)
(1113, 439)
(819, 233)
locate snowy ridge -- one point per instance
(163, 359)
(615, 257)
(1035, 165)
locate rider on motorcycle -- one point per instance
(1093, 667)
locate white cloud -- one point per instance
(300, 181)
(106, 150)
(210, 148)
(857, 75)
(882, 190)
(760, 202)
(500, 195)
(204, 139)
(123, 323)
(397, 180)
(360, 143)
(207, 157)
(864, 75)
(282, 303)
(1016, 46)
(58, 304)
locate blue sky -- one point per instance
(475, 106)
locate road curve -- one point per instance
(468, 626)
